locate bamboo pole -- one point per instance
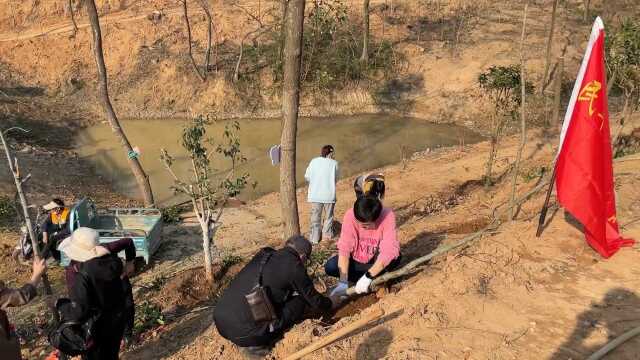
(614, 344)
(320, 343)
(545, 206)
(23, 201)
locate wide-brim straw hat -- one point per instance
(83, 245)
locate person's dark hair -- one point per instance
(377, 189)
(367, 209)
(300, 244)
(58, 202)
(326, 150)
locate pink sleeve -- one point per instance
(348, 235)
(389, 245)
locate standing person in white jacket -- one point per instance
(322, 175)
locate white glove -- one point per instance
(362, 286)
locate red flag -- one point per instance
(584, 170)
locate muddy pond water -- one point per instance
(362, 142)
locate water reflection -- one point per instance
(362, 142)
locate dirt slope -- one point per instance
(507, 296)
(445, 46)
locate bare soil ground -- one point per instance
(507, 296)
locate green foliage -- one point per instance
(626, 145)
(317, 259)
(622, 49)
(502, 85)
(205, 185)
(7, 212)
(533, 173)
(332, 45)
(171, 214)
(229, 259)
(148, 316)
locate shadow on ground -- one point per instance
(376, 345)
(615, 315)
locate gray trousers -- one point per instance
(316, 221)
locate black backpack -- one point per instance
(70, 336)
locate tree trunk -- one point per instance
(205, 8)
(365, 32)
(141, 177)
(73, 18)
(523, 122)
(549, 45)
(492, 156)
(284, 4)
(557, 92)
(587, 4)
(206, 248)
(610, 83)
(25, 210)
(185, 13)
(626, 114)
(290, 101)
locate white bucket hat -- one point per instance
(50, 206)
(83, 245)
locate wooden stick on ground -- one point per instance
(320, 343)
(614, 344)
(493, 225)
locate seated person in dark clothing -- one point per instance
(55, 227)
(126, 245)
(368, 246)
(97, 290)
(290, 290)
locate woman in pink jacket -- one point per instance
(368, 246)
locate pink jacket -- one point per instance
(361, 244)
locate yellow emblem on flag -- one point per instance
(589, 93)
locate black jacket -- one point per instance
(98, 287)
(283, 274)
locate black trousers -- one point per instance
(51, 247)
(110, 329)
(356, 269)
(266, 335)
(129, 308)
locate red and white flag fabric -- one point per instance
(584, 170)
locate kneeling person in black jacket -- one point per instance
(289, 289)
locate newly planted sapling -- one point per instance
(207, 189)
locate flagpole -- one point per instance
(545, 206)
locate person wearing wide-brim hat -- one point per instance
(98, 287)
(125, 245)
(56, 227)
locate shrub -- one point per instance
(332, 44)
(229, 259)
(7, 212)
(148, 316)
(171, 214)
